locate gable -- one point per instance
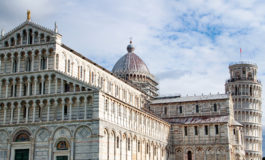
(26, 34)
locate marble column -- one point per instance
(70, 110)
(35, 86)
(61, 85)
(27, 113)
(6, 89)
(62, 103)
(49, 84)
(18, 113)
(34, 110)
(85, 106)
(28, 87)
(18, 63)
(20, 87)
(42, 85)
(56, 85)
(32, 62)
(5, 110)
(48, 111)
(12, 113)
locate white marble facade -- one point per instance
(56, 104)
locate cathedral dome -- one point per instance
(130, 63)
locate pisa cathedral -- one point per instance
(56, 104)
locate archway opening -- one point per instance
(189, 155)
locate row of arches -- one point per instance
(38, 84)
(245, 89)
(60, 141)
(88, 72)
(27, 61)
(134, 119)
(27, 36)
(65, 108)
(124, 145)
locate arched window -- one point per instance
(24, 89)
(42, 38)
(40, 87)
(48, 39)
(250, 76)
(22, 136)
(62, 145)
(147, 148)
(189, 155)
(250, 90)
(12, 41)
(14, 66)
(65, 110)
(6, 44)
(43, 63)
(30, 37)
(28, 64)
(36, 40)
(18, 39)
(24, 37)
(24, 111)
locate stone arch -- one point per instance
(42, 134)
(21, 136)
(21, 129)
(61, 132)
(82, 133)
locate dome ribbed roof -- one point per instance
(130, 63)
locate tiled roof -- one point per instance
(159, 100)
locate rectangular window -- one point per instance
(180, 109)
(234, 131)
(186, 130)
(206, 130)
(196, 130)
(197, 108)
(165, 110)
(216, 129)
(215, 107)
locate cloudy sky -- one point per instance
(188, 45)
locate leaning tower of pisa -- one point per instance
(246, 94)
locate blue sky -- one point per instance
(187, 45)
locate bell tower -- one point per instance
(246, 90)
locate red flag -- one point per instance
(240, 50)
